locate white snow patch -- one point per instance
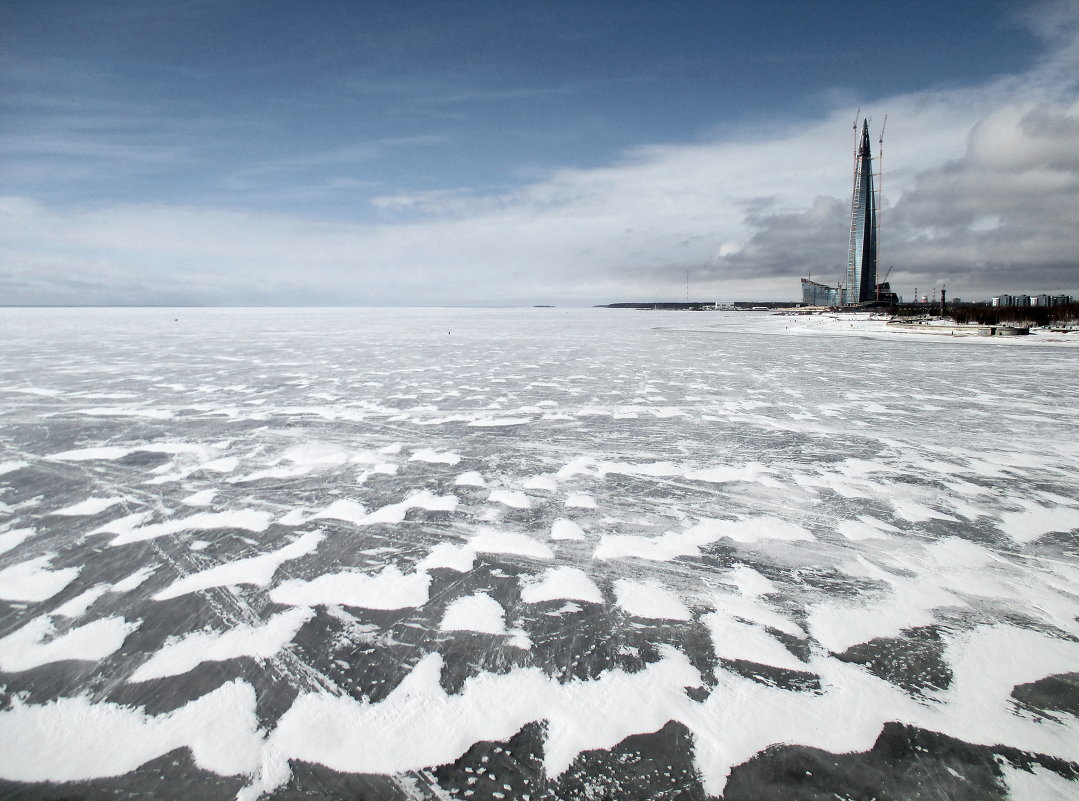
(865, 528)
(316, 455)
(10, 540)
(450, 556)
(477, 612)
(123, 525)
(749, 582)
(915, 511)
(514, 498)
(470, 479)
(390, 589)
(753, 529)
(653, 469)
(667, 546)
(508, 542)
(395, 512)
(518, 638)
(111, 452)
(32, 580)
(247, 519)
(37, 643)
(180, 654)
(561, 583)
(563, 529)
(754, 610)
(649, 599)
(499, 422)
(134, 580)
(257, 570)
(294, 517)
(72, 739)
(1037, 784)
(907, 603)
(579, 500)
(542, 483)
(355, 513)
(1035, 520)
(39, 391)
(12, 465)
(434, 457)
(78, 605)
(566, 609)
(751, 472)
(734, 639)
(203, 498)
(419, 724)
(91, 506)
(688, 542)
(342, 509)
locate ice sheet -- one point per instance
(762, 530)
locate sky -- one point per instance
(478, 152)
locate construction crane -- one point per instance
(885, 281)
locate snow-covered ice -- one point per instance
(552, 554)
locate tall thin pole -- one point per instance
(880, 188)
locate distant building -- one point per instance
(862, 258)
(1029, 300)
(1051, 300)
(817, 294)
(860, 280)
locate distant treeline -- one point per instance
(982, 314)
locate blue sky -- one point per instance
(528, 152)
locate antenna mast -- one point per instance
(880, 185)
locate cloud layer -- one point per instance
(980, 189)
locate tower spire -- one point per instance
(862, 258)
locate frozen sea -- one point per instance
(533, 554)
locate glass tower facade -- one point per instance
(816, 294)
(862, 261)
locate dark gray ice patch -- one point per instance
(772, 676)
(489, 767)
(371, 668)
(915, 661)
(800, 647)
(1051, 695)
(583, 644)
(171, 775)
(905, 764)
(657, 765)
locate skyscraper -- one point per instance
(862, 260)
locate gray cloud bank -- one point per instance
(981, 188)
